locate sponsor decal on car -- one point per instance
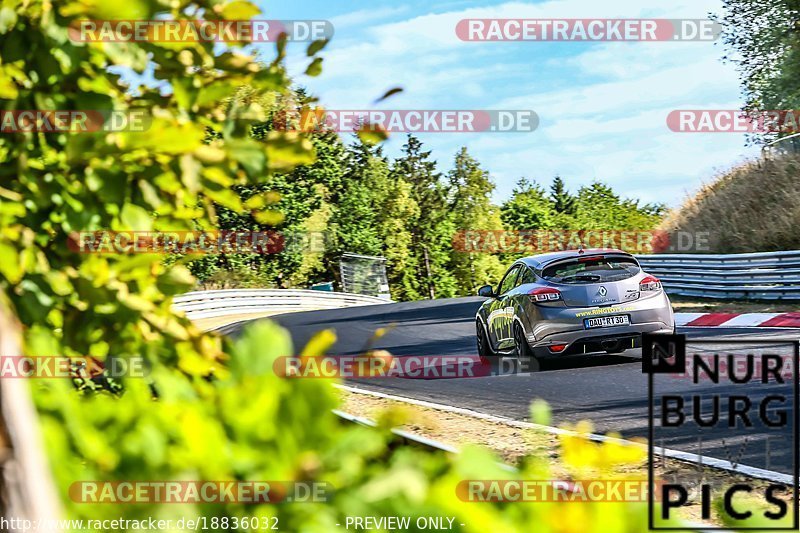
(603, 311)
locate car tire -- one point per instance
(527, 359)
(484, 350)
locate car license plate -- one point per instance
(606, 321)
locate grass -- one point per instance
(754, 207)
(684, 304)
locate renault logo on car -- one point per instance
(602, 291)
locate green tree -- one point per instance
(470, 189)
(300, 207)
(355, 221)
(764, 39)
(529, 208)
(373, 216)
(433, 227)
(599, 207)
(563, 201)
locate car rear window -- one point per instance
(591, 270)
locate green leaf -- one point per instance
(315, 68)
(319, 343)
(287, 150)
(40, 341)
(214, 93)
(239, 10)
(258, 347)
(164, 136)
(372, 133)
(135, 218)
(540, 412)
(389, 93)
(255, 202)
(176, 280)
(8, 89)
(316, 46)
(249, 154)
(269, 217)
(184, 92)
(223, 196)
(10, 266)
(8, 17)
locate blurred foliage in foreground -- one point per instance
(220, 413)
(253, 425)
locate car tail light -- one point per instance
(544, 294)
(650, 283)
(557, 348)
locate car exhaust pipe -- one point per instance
(610, 345)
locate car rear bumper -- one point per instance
(562, 322)
(599, 340)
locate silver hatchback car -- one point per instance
(571, 302)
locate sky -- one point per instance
(602, 106)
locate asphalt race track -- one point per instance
(609, 390)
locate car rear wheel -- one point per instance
(484, 350)
(527, 359)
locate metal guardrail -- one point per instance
(764, 275)
(211, 304)
(785, 145)
(405, 436)
(411, 439)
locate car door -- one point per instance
(500, 314)
(513, 302)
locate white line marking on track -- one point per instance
(749, 319)
(681, 319)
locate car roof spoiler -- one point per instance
(590, 257)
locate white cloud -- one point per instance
(364, 16)
(602, 106)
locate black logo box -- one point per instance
(654, 348)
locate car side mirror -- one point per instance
(486, 291)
